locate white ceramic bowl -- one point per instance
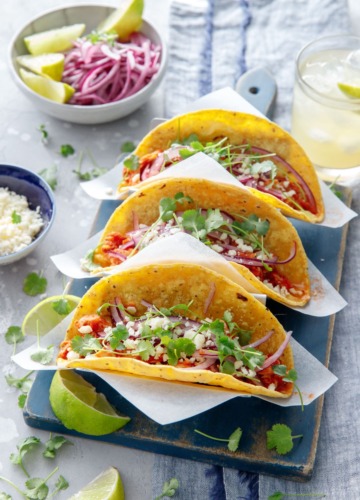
(38, 193)
(91, 15)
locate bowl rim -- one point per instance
(76, 107)
(47, 189)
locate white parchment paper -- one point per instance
(168, 402)
(104, 188)
(196, 167)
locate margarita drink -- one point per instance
(326, 106)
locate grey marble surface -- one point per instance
(337, 467)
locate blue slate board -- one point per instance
(325, 248)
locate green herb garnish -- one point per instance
(169, 488)
(66, 150)
(34, 284)
(280, 437)
(233, 440)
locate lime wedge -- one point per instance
(124, 20)
(352, 91)
(44, 86)
(106, 486)
(48, 313)
(56, 40)
(78, 406)
(51, 65)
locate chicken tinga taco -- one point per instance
(256, 238)
(180, 322)
(262, 156)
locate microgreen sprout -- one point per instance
(43, 355)
(14, 335)
(96, 171)
(44, 134)
(233, 440)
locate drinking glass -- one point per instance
(326, 107)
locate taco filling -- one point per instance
(236, 237)
(168, 337)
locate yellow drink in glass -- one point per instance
(325, 119)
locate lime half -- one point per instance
(56, 40)
(78, 406)
(352, 91)
(126, 19)
(48, 313)
(51, 65)
(106, 486)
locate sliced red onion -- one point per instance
(271, 359)
(114, 311)
(260, 341)
(308, 193)
(204, 365)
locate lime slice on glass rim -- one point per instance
(79, 407)
(349, 90)
(48, 313)
(46, 87)
(106, 486)
(56, 40)
(51, 65)
(126, 19)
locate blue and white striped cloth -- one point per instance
(211, 44)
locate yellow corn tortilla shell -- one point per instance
(206, 194)
(239, 128)
(167, 285)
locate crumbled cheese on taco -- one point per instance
(18, 223)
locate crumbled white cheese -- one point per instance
(272, 387)
(15, 236)
(85, 329)
(217, 248)
(238, 364)
(72, 355)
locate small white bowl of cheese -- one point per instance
(27, 211)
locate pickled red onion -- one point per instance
(102, 73)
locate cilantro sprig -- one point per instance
(280, 437)
(232, 441)
(14, 335)
(24, 448)
(278, 495)
(289, 376)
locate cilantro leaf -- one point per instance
(34, 284)
(167, 208)
(24, 447)
(14, 335)
(169, 488)
(175, 347)
(145, 349)
(233, 440)
(194, 222)
(252, 224)
(62, 306)
(66, 150)
(131, 163)
(50, 176)
(23, 384)
(53, 444)
(22, 400)
(43, 355)
(280, 437)
(127, 147)
(86, 344)
(15, 217)
(278, 495)
(61, 484)
(214, 220)
(36, 489)
(118, 335)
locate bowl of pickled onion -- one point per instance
(111, 79)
